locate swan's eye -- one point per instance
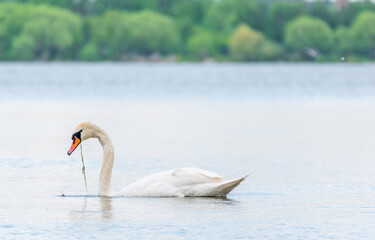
(77, 134)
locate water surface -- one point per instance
(303, 132)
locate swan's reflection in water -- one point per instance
(106, 206)
(91, 209)
(200, 201)
(95, 207)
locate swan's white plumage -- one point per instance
(180, 182)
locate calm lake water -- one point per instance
(305, 134)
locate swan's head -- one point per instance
(81, 133)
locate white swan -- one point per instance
(181, 182)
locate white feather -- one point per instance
(181, 182)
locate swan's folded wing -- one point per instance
(198, 171)
(191, 176)
(181, 182)
(219, 189)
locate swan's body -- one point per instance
(181, 182)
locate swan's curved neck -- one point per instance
(107, 164)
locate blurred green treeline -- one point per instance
(224, 30)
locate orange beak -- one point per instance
(75, 143)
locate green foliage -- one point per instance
(37, 32)
(221, 16)
(117, 34)
(49, 33)
(109, 35)
(246, 44)
(101, 6)
(343, 40)
(363, 32)
(23, 47)
(308, 32)
(12, 18)
(204, 43)
(89, 52)
(249, 12)
(188, 14)
(350, 13)
(163, 6)
(279, 14)
(359, 38)
(147, 25)
(195, 29)
(328, 14)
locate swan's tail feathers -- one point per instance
(227, 186)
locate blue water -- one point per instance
(208, 81)
(304, 133)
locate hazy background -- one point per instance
(187, 30)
